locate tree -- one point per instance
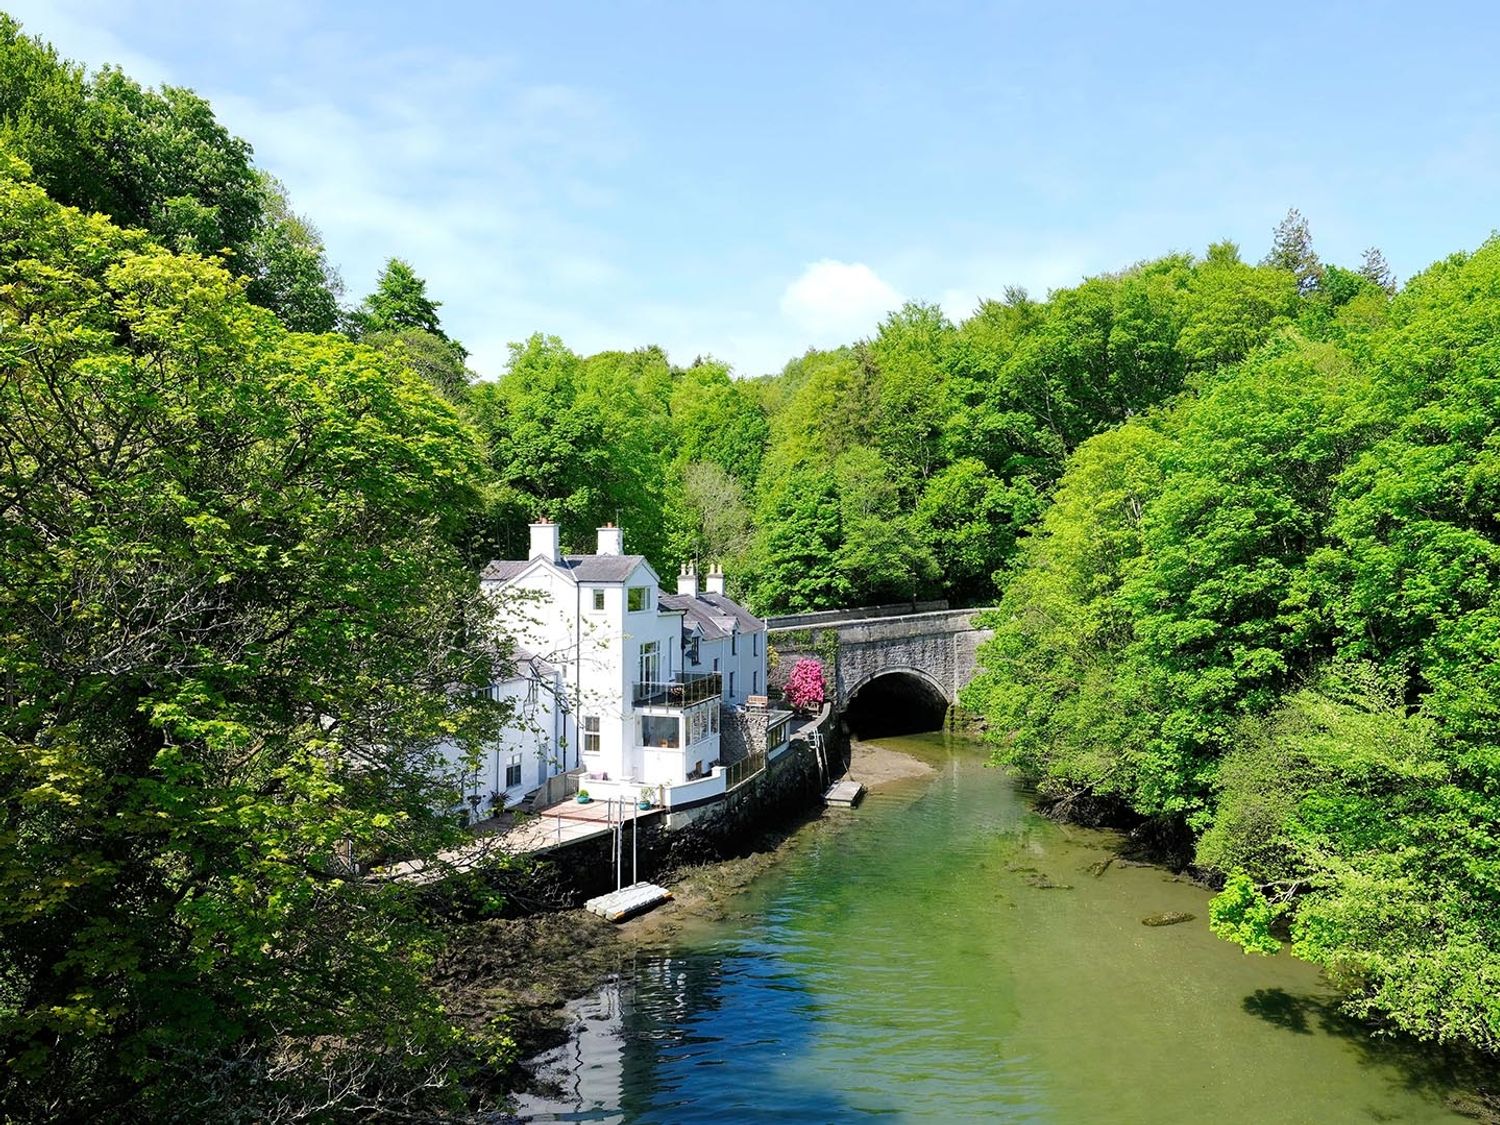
(159, 160)
(1291, 250)
(798, 535)
(436, 359)
(1374, 268)
(235, 630)
(708, 517)
(288, 268)
(969, 520)
(400, 301)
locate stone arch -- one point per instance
(908, 702)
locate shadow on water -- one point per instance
(1419, 1066)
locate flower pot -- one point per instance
(584, 798)
(643, 804)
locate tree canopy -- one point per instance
(236, 627)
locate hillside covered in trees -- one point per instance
(1239, 516)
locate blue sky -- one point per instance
(749, 180)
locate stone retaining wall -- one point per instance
(791, 786)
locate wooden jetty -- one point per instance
(627, 902)
(845, 794)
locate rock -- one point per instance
(1042, 883)
(1167, 918)
(1098, 868)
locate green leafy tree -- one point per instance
(796, 546)
(400, 301)
(969, 520)
(288, 267)
(235, 630)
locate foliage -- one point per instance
(234, 631)
(805, 684)
(399, 302)
(1290, 644)
(1241, 914)
(159, 160)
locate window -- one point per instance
(777, 736)
(638, 598)
(754, 644)
(716, 664)
(650, 664)
(598, 599)
(591, 734)
(660, 730)
(731, 683)
(734, 646)
(513, 772)
(754, 683)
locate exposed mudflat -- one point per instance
(873, 765)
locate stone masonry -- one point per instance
(936, 647)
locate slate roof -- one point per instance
(530, 664)
(584, 568)
(749, 623)
(712, 624)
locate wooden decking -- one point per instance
(845, 794)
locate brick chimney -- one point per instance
(687, 581)
(715, 583)
(611, 540)
(544, 543)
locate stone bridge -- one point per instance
(890, 668)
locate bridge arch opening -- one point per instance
(895, 702)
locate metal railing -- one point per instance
(690, 687)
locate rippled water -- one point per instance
(944, 954)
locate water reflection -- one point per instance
(687, 1038)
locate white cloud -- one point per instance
(836, 302)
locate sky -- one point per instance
(750, 180)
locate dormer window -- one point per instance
(638, 599)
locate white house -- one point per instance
(643, 677)
(527, 754)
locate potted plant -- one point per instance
(583, 797)
(645, 801)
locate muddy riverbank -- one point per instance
(517, 974)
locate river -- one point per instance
(943, 953)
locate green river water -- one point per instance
(943, 953)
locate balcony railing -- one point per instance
(690, 687)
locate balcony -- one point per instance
(685, 689)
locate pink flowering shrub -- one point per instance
(804, 687)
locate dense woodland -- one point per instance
(1239, 518)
